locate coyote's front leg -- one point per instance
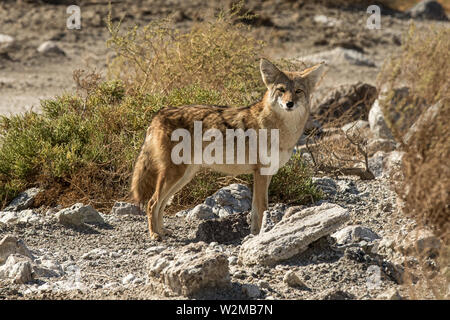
(260, 201)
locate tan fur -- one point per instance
(156, 178)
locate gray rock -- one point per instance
(292, 235)
(122, 208)
(427, 116)
(379, 144)
(50, 47)
(47, 268)
(17, 268)
(391, 294)
(78, 214)
(6, 42)
(24, 200)
(11, 245)
(358, 128)
(24, 216)
(252, 291)
(386, 165)
(201, 212)
(428, 9)
(326, 184)
(420, 241)
(354, 234)
(339, 56)
(352, 101)
(229, 200)
(190, 269)
(272, 216)
(377, 122)
(293, 280)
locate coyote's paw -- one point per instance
(155, 236)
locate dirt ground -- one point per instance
(291, 30)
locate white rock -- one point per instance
(6, 42)
(232, 199)
(338, 56)
(354, 234)
(78, 214)
(17, 268)
(200, 212)
(122, 208)
(11, 245)
(128, 279)
(292, 235)
(377, 123)
(50, 47)
(190, 269)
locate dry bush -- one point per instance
(219, 55)
(334, 150)
(422, 66)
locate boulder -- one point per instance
(428, 9)
(6, 43)
(378, 144)
(356, 128)
(293, 280)
(292, 235)
(427, 116)
(123, 208)
(226, 201)
(17, 268)
(24, 200)
(78, 214)
(353, 234)
(50, 47)
(377, 122)
(201, 212)
(351, 102)
(11, 245)
(272, 216)
(420, 241)
(339, 56)
(24, 216)
(190, 269)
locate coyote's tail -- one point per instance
(144, 176)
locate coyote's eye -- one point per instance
(281, 89)
(298, 91)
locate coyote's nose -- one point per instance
(290, 104)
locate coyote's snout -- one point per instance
(281, 114)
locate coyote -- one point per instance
(284, 107)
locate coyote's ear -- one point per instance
(313, 74)
(269, 72)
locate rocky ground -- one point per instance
(351, 245)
